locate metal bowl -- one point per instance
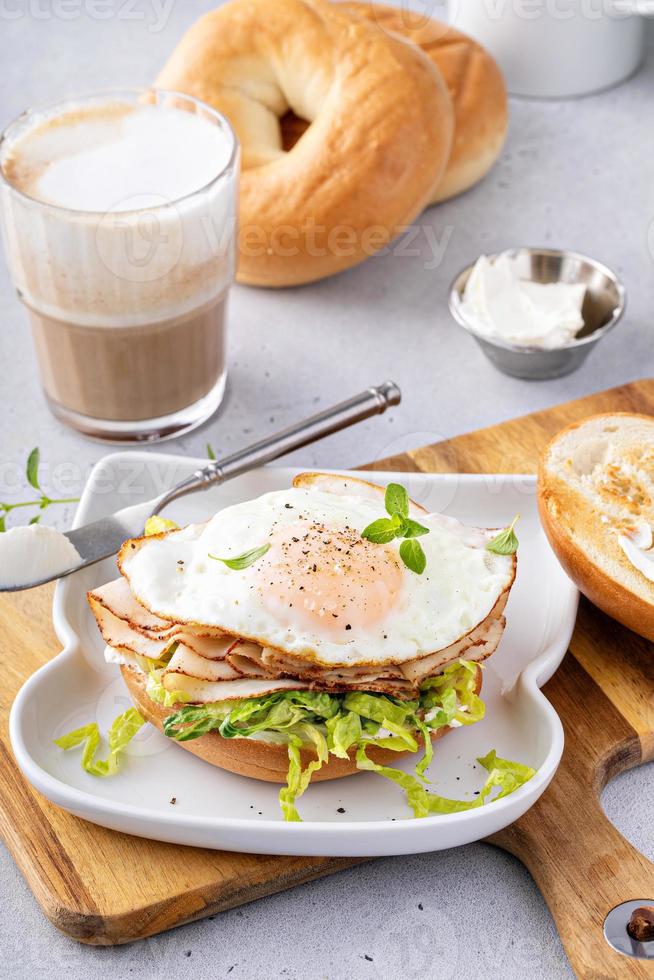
(603, 307)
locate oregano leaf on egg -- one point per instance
(396, 500)
(383, 530)
(248, 558)
(411, 529)
(413, 556)
(506, 542)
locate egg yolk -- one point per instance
(329, 580)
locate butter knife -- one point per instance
(103, 538)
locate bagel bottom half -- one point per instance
(252, 757)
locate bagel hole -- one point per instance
(293, 128)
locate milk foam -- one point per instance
(127, 214)
(119, 158)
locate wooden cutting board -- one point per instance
(84, 876)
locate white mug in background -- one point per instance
(557, 48)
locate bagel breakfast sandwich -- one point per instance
(308, 634)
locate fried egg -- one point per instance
(321, 591)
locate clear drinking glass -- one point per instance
(127, 306)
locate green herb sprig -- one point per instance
(506, 542)
(399, 525)
(42, 501)
(245, 560)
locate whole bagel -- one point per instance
(379, 140)
(252, 757)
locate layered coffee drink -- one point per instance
(119, 220)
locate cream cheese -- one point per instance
(497, 303)
(34, 553)
(455, 723)
(637, 546)
(113, 656)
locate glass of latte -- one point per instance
(119, 217)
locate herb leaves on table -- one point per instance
(42, 501)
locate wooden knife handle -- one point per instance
(583, 866)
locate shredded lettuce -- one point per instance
(502, 773)
(319, 725)
(453, 697)
(121, 733)
(416, 795)
(298, 778)
(193, 720)
(125, 726)
(350, 724)
(157, 691)
(343, 731)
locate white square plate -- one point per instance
(363, 815)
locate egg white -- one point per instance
(176, 579)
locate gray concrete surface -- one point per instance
(575, 174)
